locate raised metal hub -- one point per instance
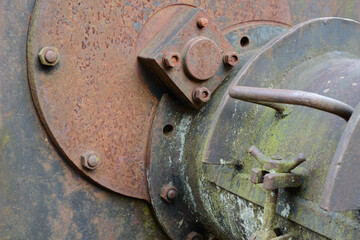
(202, 59)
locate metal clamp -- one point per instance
(274, 173)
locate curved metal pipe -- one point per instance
(295, 97)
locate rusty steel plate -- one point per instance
(342, 189)
(97, 97)
(93, 100)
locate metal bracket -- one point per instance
(279, 177)
(190, 55)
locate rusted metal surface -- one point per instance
(313, 100)
(201, 48)
(93, 98)
(342, 190)
(202, 59)
(41, 195)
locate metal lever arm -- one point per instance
(313, 100)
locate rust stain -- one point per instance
(96, 98)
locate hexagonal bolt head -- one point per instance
(171, 59)
(194, 236)
(90, 160)
(231, 59)
(201, 94)
(169, 193)
(49, 56)
(202, 22)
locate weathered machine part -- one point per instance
(274, 174)
(94, 80)
(186, 53)
(213, 178)
(99, 98)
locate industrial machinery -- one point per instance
(180, 119)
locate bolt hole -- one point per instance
(174, 59)
(278, 231)
(168, 129)
(244, 41)
(234, 58)
(204, 94)
(238, 167)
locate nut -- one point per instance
(90, 160)
(201, 94)
(202, 22)
(171, 59)
(194, 236)
(231, 59)
(169, 193)
(49, 56)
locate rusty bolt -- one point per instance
(202, 22)
(194, 236)
(231, 59)
(201, 94)
(49, 56)
(90, 160)
(169, 193)
(171, 59)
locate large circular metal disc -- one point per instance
(95, 98)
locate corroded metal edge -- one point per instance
(342, 190)
(165, 167)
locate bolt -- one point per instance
(202, 22)
(169, 193)
(49, 56)
(231, 59)
(171, 59)
(90, 160)
(201, 94)
(194, 236)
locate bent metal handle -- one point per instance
(294, 97)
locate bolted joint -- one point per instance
(202, 22)
(171, 59)
(169, 193)
(194, 236)
(49, 56)
(231, 59)
(201, 94)
(90, 160)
